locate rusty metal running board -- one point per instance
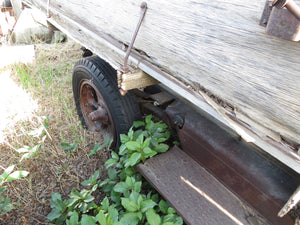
(195, 194)
(259, 180)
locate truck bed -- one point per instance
(216, 51)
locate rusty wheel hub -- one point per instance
(94, 109)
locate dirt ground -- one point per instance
(43, 89)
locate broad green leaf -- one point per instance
(130, 181)
(54, 214)
(140, 139)
(168, 223)
(26, 156)
(89, 198)
(137, 124)
(114, 155)
(110, 162)
(129, 171)
(67, 146)
(147, 204)
(109, 220)
(96, 175)
(148, 118)
(113, 212)
(7, 171)
(129, 204)
(147, 150)
(134, 196)
(75, 194)
(155, 198)
(171, 210)
(137, 186)
(169, 218)
(56, 202)
(133, 145)
(139, 215)
(163, 206)
(137, 133)
(121, 187)
(139, 201)
(161, 148)
(130, 133)
(177, 220)
(112, 173)
(130, 219)
(108, 187)
(107, 141)
(124, 138)
(73, 219)
(16, 175)
(115, 196)
(123, 150)
(101, 218)
(87, 220)
(152, 217)
(134, 159)
(2, 189)
(105, 204)
(5, 206)
(146, 143)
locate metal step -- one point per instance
(258, 179)
(195, 194)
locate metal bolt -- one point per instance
(178, 121)
(156, 103)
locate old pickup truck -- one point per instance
(228, 85)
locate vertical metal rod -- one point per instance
(48, 12)
(144, 8)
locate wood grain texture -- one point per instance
(213, 45)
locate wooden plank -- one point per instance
(193, 192)
(216, 46)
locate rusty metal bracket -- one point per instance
(282, 19)
(290, 5)
(266, 13)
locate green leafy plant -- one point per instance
(105, 146)
(41, 134)
(130, 199)
(8, 175)
(69, 147)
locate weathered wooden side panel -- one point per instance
(216, 46)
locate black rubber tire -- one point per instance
(123, 109)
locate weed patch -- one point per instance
(34, 144)
(130, 199)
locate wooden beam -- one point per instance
(134, 80)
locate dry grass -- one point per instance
(52, 169)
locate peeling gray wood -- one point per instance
(215, 45)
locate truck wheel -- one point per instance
(99, 104)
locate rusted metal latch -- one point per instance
(282, 19)
(138, 79)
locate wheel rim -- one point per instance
(94, 109)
